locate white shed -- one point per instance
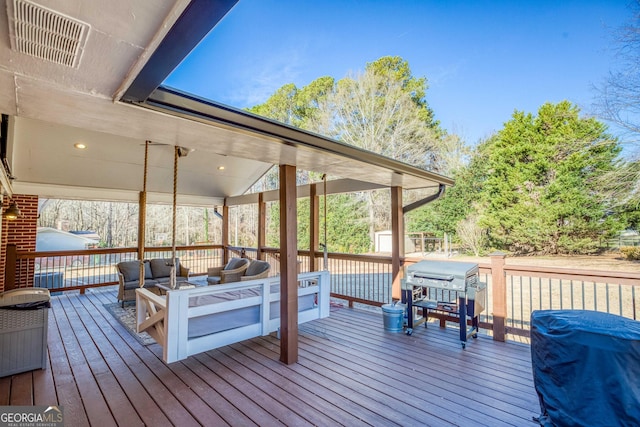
(383, 242)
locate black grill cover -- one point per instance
(586, 368)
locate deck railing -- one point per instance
(513, 292)
(537, 288)
(82, 269)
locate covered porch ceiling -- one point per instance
(109, 100)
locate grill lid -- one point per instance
(442, 270)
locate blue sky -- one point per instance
(482, 59)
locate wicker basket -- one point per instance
(23, 339)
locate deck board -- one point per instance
(78, 346)
(155, 403)
(437, 384)
(336, 408)
(325, 387)
(402, 351)
(104, 369)
(66, 388)
(350, 372)
(21, 391)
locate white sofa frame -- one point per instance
(166, 318)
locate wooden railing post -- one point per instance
(11, 267)
(288, 263)
(397, 242)
(225, 234)
(262, 226)
(499, 290)
(314, 226)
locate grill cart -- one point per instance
(444, 286)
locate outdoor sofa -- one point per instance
(157, 271)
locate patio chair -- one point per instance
(256, 270)
(232, 272)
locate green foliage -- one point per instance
(540, 194)
(347, 229)
(536, 186)
(347, 226)
(280, 106)
(457, 203)
(629, 214)
(297, 107)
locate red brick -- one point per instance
(22, 233)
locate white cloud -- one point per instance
(259, 78)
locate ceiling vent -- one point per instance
(46, 34)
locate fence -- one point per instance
(623, 240)
(82, 269)
(535, 288)
(513, 292)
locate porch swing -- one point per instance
(173, 263)
(156, 274)
(197, 319)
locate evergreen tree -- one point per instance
(540, 194)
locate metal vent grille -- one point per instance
(46, 34)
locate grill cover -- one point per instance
(586, 368)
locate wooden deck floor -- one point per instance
(350, 372)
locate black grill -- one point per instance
(445, 286)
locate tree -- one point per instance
(280, 106)
(457, 203)
(379, 110)
(619, 103)
(471, 235)
(383, 110)
(620, 93)
(117, 222)
(346, 224)
(541, 191)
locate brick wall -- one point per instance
(22, 233)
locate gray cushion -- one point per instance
(256, 267)
(147, 270)
(161, 267)
(131, 270)
(136, 284)
(235, 263)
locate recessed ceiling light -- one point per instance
(80, 146)
(220, 168)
